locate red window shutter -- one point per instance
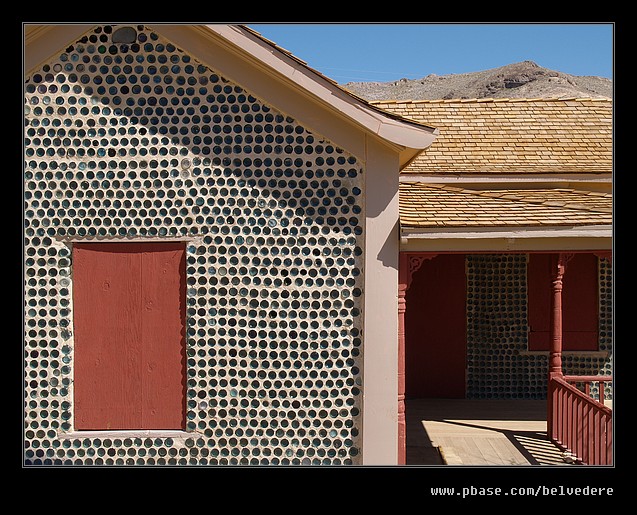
(580, 311)
(129, 325)
(580, 297)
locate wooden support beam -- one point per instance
(558, 269)
(403, 273)
(408, 265)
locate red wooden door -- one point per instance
(129, 325)
(436, 329)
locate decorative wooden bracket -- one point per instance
(414, 262)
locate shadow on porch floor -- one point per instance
(474, 432)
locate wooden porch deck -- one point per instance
(479, 433)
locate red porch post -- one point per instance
(403, 274)
(408, 264)
(558, 269)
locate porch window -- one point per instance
(129, 333)
(580, 308)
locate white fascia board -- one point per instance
(589, 231)
(290, 71)
(598, 237)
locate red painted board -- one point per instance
(581, 303)
(163, 336)
(129, 333)
(436, 329)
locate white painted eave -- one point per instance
(403, 132)
(408, 138)
(592, 237)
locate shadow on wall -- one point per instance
(389, 252)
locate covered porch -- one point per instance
(483, 326)
(509, 187)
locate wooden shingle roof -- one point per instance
(441, 206)
(512, 136)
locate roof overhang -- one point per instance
(506, 239)
(271, 74)
(505, 179)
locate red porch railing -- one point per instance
(579, 424)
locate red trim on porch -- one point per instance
(410, 262)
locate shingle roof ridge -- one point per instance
(515, 196)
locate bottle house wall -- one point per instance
(499, 361)
(129, 139)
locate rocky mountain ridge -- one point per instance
(519, 80)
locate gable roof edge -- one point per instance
(44, 40)
(410, 137)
